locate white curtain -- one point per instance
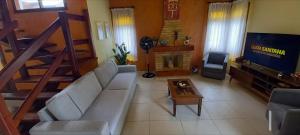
(124, 28)
(226, 27)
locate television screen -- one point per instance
(276, 51)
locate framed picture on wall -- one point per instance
(101, 30)
(107, 29)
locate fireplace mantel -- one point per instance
(172, 48)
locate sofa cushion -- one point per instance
(216, 58)
(109, 106)
(63, 108)
(106, 72)
(122, 81)
(45, 115)
(70, 128)
(84, 91)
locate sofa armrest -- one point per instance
(290, 124)
(289, 97)
(70, 128)
(205, 58)
(226, 59)
(126, 68)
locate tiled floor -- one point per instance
(228, 109)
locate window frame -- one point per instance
(41, 9)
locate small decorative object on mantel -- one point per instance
(187, 40)
(155, 41)
(120, 54)
(163, 42)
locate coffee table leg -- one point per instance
(168, 92)
(199, 107)
(174, 108)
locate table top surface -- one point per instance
(189, 91)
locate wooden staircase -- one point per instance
(39, 65)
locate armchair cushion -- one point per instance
(214, 66)
(216, 58)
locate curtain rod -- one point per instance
(122, 7)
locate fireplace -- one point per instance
(173, 60)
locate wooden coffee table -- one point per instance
(184, 96)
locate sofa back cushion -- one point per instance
(216, 58)
(63, 108)
(106, 72)
(84, 91)
(45, 115)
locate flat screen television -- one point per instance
(276, 51)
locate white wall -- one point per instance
(99, 11)
(275, 16)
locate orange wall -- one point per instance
(35, 22)
(149, 21)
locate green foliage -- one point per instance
(120, 54)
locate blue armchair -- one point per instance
(214, 65)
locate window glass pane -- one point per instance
(27, 4)
(52, 3)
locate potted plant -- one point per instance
(120, 54)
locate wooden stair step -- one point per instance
(23, 95)
(50, 45)
(43, 56)
(35, 79)
(80, 41)
(31, 117)
(82, 50)
(47, 66)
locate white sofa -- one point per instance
(95, 104)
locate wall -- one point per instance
(275, 16)
(36, 22)
(99, 12)
(149, 21)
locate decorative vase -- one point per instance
(186, 42)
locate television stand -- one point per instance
(261, 80)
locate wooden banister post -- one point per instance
(88, 31)
(63, 17)
(7, 124)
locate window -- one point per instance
(124, 29)
(39, 5)
(226, 27)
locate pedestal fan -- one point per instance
(146, 44)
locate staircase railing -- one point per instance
(38, 88)
(84, 18)
(8, 123)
